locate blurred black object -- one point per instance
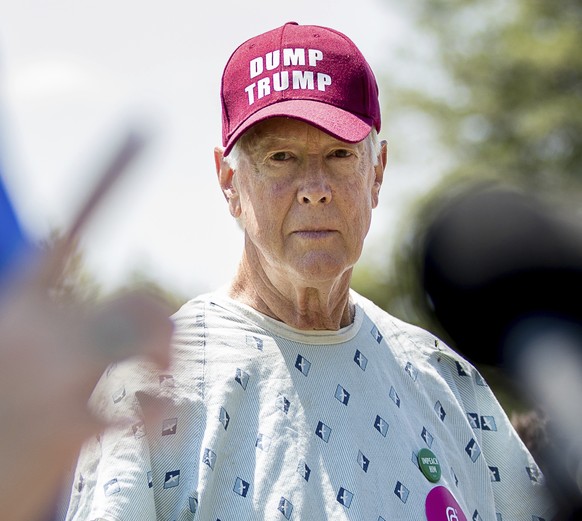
(502, 271)
(494, 256)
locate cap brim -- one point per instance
(339, 123)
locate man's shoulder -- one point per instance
(192, 307)
(194, 311)
(392, 324)
(410, 337)
(208, 312)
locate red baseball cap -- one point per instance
(307, 72)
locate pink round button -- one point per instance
(442, 506)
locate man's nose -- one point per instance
(315, 187)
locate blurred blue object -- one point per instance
(13, 241)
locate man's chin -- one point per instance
(322, 268)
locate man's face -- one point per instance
(305, 199)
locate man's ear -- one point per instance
(379, 173)
(225, 178)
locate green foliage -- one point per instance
(513, 76)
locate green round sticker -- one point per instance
(429, 465)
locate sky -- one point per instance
(76, 74)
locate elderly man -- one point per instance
(290, 396)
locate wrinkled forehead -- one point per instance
(279, 131)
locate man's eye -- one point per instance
(341, 152)
(280, 156)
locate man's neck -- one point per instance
(325, 306)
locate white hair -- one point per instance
(238, 151)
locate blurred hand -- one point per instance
(51, 357)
